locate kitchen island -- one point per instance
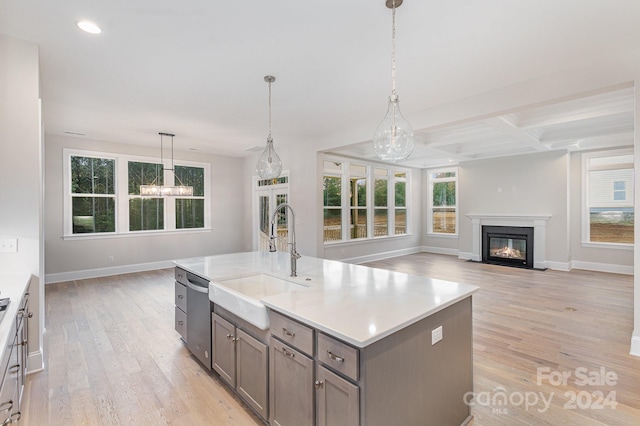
(342, 343)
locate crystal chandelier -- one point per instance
(156, 190)
(393, 138)
(269, 165)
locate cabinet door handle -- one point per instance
(14, 369)
(319, 383)
(180, 296)
(229, 336)
(30, 315)
(6, 406)
(335, 357)
(180, 322)
(288, 333)
(287, 353)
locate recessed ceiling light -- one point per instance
(89, 27)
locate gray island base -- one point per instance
(356, 346)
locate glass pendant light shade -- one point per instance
(269, 165)
(393, 139)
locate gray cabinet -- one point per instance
(180, 318)
(336, 400)
(13, 365)
(223, 354)
(242, 362)
(290, 386)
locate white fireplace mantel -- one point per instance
(537, 221)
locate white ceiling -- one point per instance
(195, 68)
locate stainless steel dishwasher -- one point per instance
(199, 319)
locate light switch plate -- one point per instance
(436, 335)
(8, 245)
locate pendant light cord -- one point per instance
(270, 109)
(393, 49)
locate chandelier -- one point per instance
(156, 190)
(269, 165)
(393, 138)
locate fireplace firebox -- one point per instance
(508, 245)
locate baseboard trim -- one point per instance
(468, 256)
(440, 250)
(635, 345)
(103, 272)
(557, 266)
(35, 362)
(380, 256)
(602, 267)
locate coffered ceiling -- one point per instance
(195, 68)
(598, 121)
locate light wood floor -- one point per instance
(112, 356)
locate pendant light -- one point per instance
(155, 190)
(393, 139)
(269, 165)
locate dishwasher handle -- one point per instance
(197, 288)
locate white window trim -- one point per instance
(430, 183)
(122, 196)
(346, 206)
(586, 231)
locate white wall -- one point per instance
(635, 336)
(20, 174)
(80, 258)
(525, 184)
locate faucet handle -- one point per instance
(272, 244)
(295, 254)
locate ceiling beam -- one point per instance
(503, 125)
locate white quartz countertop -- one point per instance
(356, 304)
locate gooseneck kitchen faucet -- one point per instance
(273, 236)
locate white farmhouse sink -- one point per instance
(241, 295)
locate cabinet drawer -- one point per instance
(291, 331)
(338, 356)
(181, 276)
(181, 323)
(181, 296)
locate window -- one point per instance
(93, 201)
(190, 211)
(104, 195)
(332, 200)
(608, 215)
(400, 222)
(358, 196)
(380, 203)
(363, 201)
(145, 213)
(442, 215)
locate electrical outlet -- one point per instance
(436, 335)
(110, 259)
(8, 245)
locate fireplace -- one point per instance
(508, 245)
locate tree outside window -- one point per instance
(103, 195)
(332, 201)
(145, 213)
(443, 199)
(190, 211)
(93, 201)
(363, 201)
